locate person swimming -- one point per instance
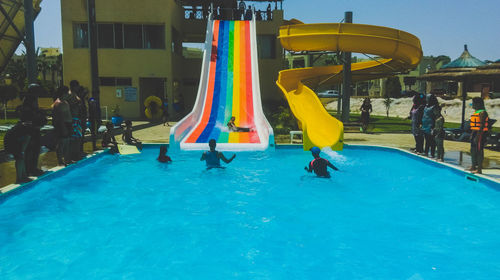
(213, 157)
(163, 157)
(319, 165)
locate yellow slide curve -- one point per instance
(400, 51)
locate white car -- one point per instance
(329, 93)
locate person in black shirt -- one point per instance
(16, 141)
(319, 165)
(366, 109)
(94, 119)
(35, 119)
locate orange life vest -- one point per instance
(475, 121)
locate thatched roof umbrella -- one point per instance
(457, 70)
(489, 70)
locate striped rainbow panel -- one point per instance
(229, 90)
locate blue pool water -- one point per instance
(385, 215)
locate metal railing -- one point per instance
(194, 13)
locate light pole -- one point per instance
(347, 79)
(29, 42)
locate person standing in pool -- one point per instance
(163, 157)
(319, 165)
(213, 157)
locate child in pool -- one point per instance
(319, 165)
(163, 155)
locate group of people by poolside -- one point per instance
(73, 111)
(109, 139)
(427, 127)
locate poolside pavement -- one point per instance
(456, 153)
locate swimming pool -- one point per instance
(386, 215)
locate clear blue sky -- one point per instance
(443, 26)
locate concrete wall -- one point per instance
(134, 63)
(152, 63)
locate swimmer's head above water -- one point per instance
(212, 144)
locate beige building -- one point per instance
(149, 47)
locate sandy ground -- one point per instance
(452, 109)
(455, 152)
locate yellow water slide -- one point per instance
(399, 51)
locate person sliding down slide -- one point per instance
(232, 126)
(319, 164)
(213, 157)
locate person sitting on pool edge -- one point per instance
(213, 157)
(319, 164)
(128, 138)
(109, 140)
(232, 126)
(163, 155)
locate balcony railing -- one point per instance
(228, 14)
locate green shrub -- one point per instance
(282, 119)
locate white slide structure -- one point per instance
(229, 86)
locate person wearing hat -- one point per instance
(319, 165)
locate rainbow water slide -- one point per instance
(399, 51)
(229, 86)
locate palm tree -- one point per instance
(43, 66)
(17, 71)
(7, 93)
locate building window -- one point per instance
(154, 36)
(124, 81)
(80, 35)
(118, 35)
(105, 35)
(115, 81)
(266, 46)
(132, 34)
(107, 81)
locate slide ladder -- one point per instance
(399, 50)
(229, 86)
